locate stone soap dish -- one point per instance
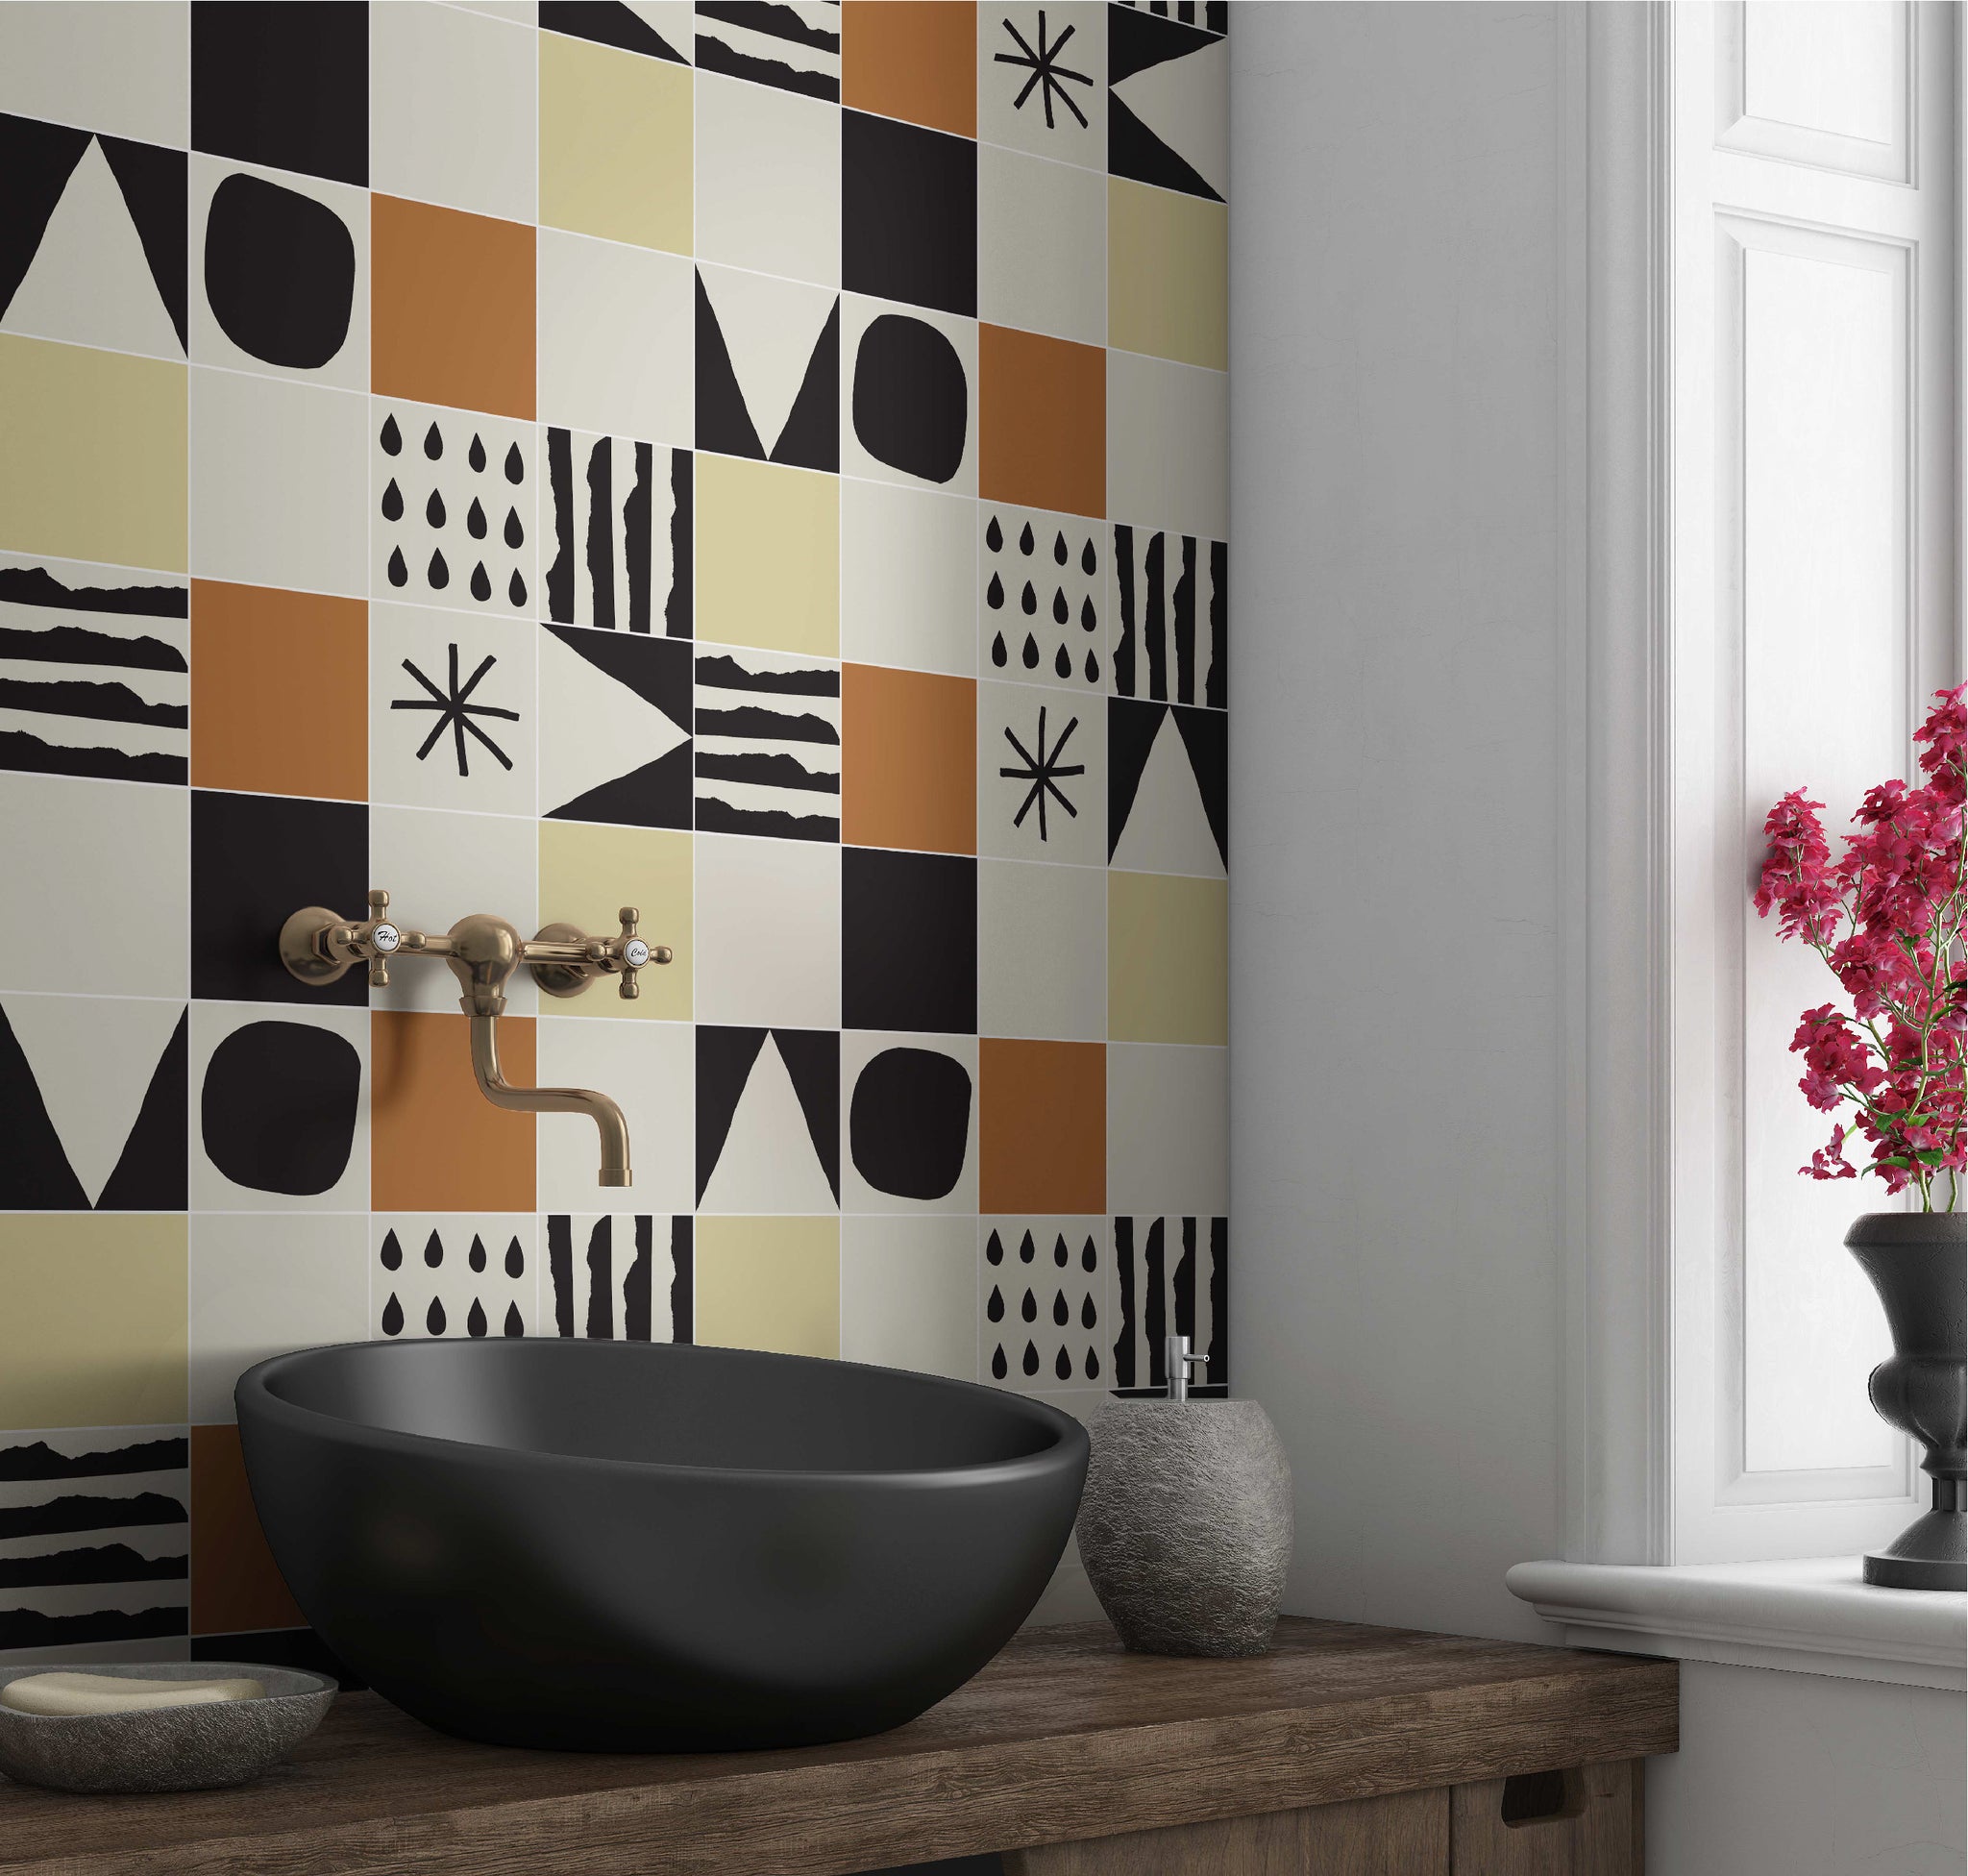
(164, 1748)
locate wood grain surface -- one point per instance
(1063, 1736)
(1405, 1834)
(1597, 1833)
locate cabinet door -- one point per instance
(1403, 1835)
(1585, 1822)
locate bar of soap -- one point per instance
(68, 1695)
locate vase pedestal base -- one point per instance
(1932, 1553)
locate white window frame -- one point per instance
(1649, 1479)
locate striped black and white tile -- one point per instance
(768, 746)
(621, 1277)
(620, 514)
(95, 1542)
(95, 672)
(794, 44)
(1170, 617)
(1172, 1277)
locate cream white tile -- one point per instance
(76, 849)
(1167, 445)
(908, 1294)
(520, 12)
(768, 180)
(454, 109)
(648, 1068)
(118, 66)
(280, 482)
(263, 1285)
(908, 572)
(1042, 245)
(617, 339)
(1042, 952)
(1168, 1129)
(767, 931)
(439, 868)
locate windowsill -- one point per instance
(1811, 1615)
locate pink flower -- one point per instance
(1830, 1162)
(1887, 919)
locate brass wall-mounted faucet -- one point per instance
(319, 946)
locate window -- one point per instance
(1772, 380)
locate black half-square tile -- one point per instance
(255, 858)
(285, 85)
(908, 213)
(909, 941)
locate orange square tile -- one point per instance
(908, 760)
(235, 1585)
(1042, 1126)
(450, 308)
(912, 59)
(1041, 420)
(435, 1142)
(280, 692)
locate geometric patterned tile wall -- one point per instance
(763, 463)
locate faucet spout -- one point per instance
(501, 1093)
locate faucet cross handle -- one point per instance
(318, 945)
(633, 952)
(383, 938)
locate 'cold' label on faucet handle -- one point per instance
(386, 937)
(635, 953)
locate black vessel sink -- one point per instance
(635, 1547)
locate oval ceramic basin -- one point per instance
(629, 1546)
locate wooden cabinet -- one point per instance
(1584, 1821)
(1346, 1751)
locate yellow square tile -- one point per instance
(1167, 274)
(93, 1321)
(771, 1283)
(1167, 958)
(768, 556)
(615, 143)
(587, 873)
(94, 463)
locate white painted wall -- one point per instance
(1801, 1775)
(1402, 232)
(1396, 787)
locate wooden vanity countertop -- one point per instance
(1065, 1735)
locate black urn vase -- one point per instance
(1918, 1263)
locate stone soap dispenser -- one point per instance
(1184, 1527)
